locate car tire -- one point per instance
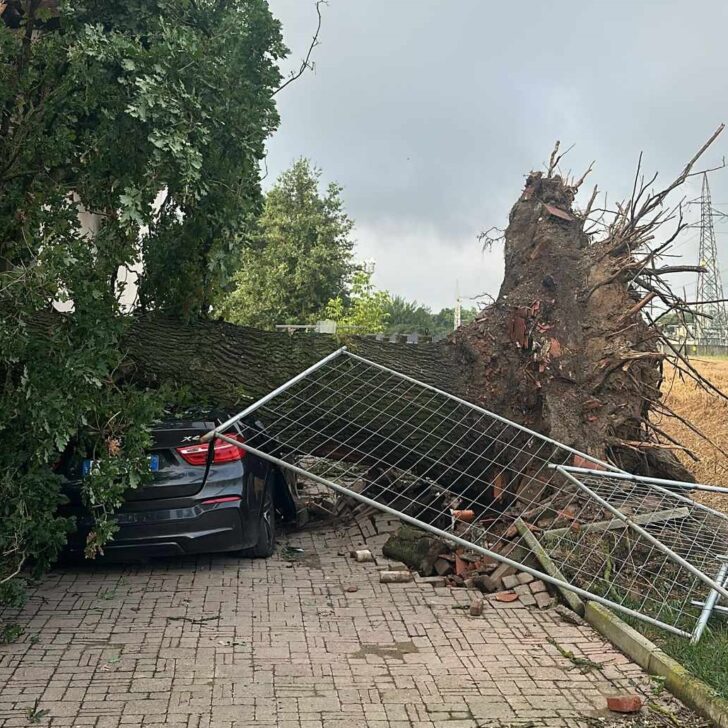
(266, 543)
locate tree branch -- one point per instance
(306, 63)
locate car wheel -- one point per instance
(266, 528)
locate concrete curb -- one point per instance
(693, 692)
(683, 685)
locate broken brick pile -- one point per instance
(504, 587)
(472, 571)
(522, 587)
(531, 592)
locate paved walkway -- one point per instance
(222, 642)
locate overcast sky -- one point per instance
(430, 113)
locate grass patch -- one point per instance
(708, 660)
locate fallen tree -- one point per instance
(567, 348)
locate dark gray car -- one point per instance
(200, 500)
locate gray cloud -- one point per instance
(430, 113)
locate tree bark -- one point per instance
(234, 366)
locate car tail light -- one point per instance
(225, 452)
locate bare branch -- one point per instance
(491, 237)
(667, 269)
(306, 64)
(688, 368)
(656, 200)
(553, 159)
(581, 179)
(556, 158)
(588, 209)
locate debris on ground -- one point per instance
(476, 608)
(290, 553)
(418, 550)
(435, 581)
(583, 664)
(569, 616)
(439, 564)
(489, 493)
(395, 577)
(624, 703)
(362, 556)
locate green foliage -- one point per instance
(706, 659)
(299, 259)
(408, 317)
(366, 310)
(443, 321)
(125, 102)
(675, 318)
(9, 633)
(34, 714)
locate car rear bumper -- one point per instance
(173, 532)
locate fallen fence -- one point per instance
(474, 478)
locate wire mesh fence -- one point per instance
(652, 550)
(469, 475)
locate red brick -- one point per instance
(582, 462)
(485, 583)
(624, 703)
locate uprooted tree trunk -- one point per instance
(565, 349)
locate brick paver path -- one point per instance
(221, 641)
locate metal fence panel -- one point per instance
(473, 477)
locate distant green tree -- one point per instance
(677, 319)
(366, 310)
(443, 322)
(408, 317)
(299, 259)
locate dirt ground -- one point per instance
(710, 414)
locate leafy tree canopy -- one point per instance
(407, 317)
(366, 310)
(105, 105)
(299, 259)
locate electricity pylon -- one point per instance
(712, 326)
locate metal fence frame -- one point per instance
(717, 589)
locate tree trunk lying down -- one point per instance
(564, 349)
(236, 365)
